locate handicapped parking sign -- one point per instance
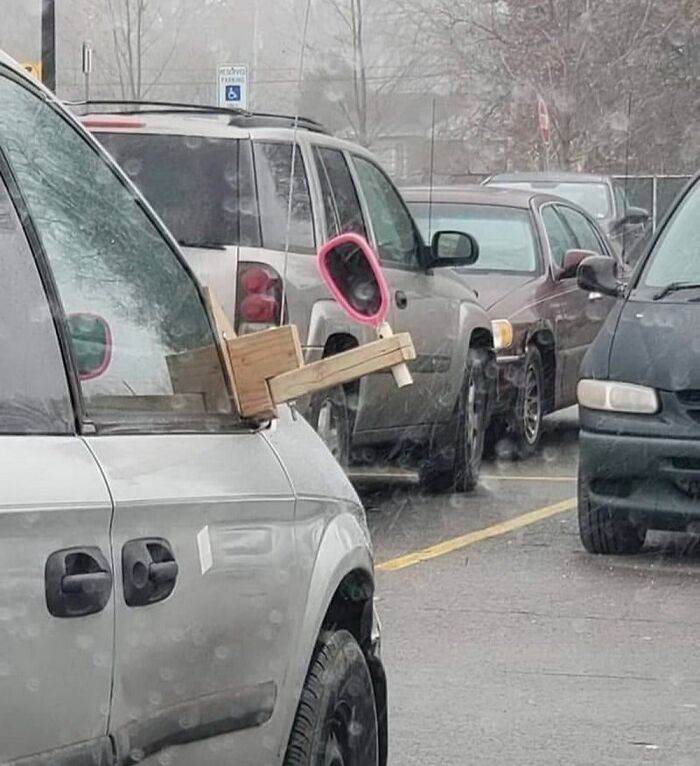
(233, 93)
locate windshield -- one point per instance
(676, 255)
(504, 235)
(593, 198)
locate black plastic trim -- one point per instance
(95, 752)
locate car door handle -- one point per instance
(149, 571)
(78, 582)
(401, 299)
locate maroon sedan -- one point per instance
(530, 245)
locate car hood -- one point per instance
(657, 344)
(492, 287)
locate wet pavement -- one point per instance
(505, 643)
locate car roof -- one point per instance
(474, 195)
(549, 176)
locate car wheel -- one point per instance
(329, 415)
(526, 423)
(336, 721)
(456, 468)
(604, 531)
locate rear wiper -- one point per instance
(203, 245)
(673, 287)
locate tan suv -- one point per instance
(250, 213)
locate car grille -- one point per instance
(690, 400)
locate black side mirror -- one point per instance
(453, 248)
(572, 260)
(92, 344)
(636, 215)
(596, 274)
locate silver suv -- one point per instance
(176, 586)
(250, 213)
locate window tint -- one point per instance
(393, 226)
(109, 260)
(584, 232)
(273, 166)
(559, 235)
(194, 183)
(348, 213)
(33, 389)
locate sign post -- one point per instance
(87, 68)
(544, 127)
(233, 86)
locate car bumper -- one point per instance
(508, 381)
(654, 481)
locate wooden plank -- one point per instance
(257, 357)
(173, 404)
(198, 372)
(224, 331)
(342, 368)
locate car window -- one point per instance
(505, 236)
(283, 227)
(348, 212)
(393, 226)
(559, 235)
(109, 261)
(620, 199)
(34, 394)
(594, 198)
(198, 185)
(676, 257)
(583, 231)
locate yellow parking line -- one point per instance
(502, 477)
(456, 543)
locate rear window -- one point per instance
(594, 198)
(199, 186)
(506, 241)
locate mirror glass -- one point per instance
(455, 246)
(92, 344)
(354, 276)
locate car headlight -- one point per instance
(502, 334)
(611, 396)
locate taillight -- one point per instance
(258, 298)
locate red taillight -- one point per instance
(259, 297)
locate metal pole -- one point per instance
(48, 43)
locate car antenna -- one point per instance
(432, 175)
(292, 170)
(627, 171)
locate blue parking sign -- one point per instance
(233, 93)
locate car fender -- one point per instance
(343, 546)
(327, 319)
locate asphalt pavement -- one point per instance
(505, 643)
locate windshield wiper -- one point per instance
(673, 287)
(203, 245)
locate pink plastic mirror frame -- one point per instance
(322, 262)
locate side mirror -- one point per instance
(350, 268)
(596, 274)
(352, 271)
(453, 248)
(636, 215)
(572, 259)
(92, 344)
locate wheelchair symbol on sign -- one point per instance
(233, 92)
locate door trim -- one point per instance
(95, 752)
(211, 715)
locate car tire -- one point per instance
(456, 468)
(329, 415)
(336, 721)
(525, 425)
(603, 531)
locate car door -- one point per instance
(202, 533)
(567, 307)
(55, 512)
(589, 238)
(422, 302)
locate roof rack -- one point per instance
(238, 117)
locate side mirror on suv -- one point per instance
(453, 248)
(597, 274)
(572, 260)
